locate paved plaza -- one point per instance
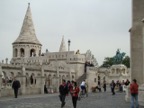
(94, 100)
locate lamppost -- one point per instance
(68, 60)
(69, 45)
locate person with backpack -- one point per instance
(63, 90)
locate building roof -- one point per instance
(27, 34)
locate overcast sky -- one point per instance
(99, 25)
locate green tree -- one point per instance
(126, 61)
(108, 61)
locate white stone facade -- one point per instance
(35, 69)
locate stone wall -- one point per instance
(91, 77)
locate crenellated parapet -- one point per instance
(30, 60)
(77, 58)
(58, 55)
(69, 56)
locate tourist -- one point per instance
(74, 93)
(69, 85)
(104, 86)
(112, 85)
(63, 90)
(45, 89)
(134, 93)
(16, 86)
(127, 82)
(99, 84)
(83, 88)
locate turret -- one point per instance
(27, 44)
(62, 46)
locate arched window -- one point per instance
(32, 79)
(22, 52)
(54, 76)
(32, 53)
(15, 52)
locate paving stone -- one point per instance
(94, 100)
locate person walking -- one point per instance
(83, 88)
(134, 93)
(63, 90)
(113, 87)
(16, 86)
(74, 93)
(104, 86)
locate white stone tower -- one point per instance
(27, 44)
(62, 46)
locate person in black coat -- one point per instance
(63, 90)
(113, 87)
(16, 86)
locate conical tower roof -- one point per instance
(27, 34)
(62, 46)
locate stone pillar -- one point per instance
(70, 75)
(42, 80)
(57, 89)
(0, 79)
(18, 52)
(137, 46)
(23, 81)
(137, 42)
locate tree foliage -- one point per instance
(108, 61)
(126, 61)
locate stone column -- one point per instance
(42, 80)
(137, 42)
(18, 52)
(137, 46)
(0, 79)
(57, 89)
(70, 75)
(22, 79)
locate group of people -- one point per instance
(65, 89)
(133, 90)
(119, 85)
(73, 89)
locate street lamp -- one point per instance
(69, 45)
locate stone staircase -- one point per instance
(81, 78)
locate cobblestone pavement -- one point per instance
(94, 100)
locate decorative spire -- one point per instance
(62, 46)
(27, 34)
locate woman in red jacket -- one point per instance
(134, 93)
(74, 92)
